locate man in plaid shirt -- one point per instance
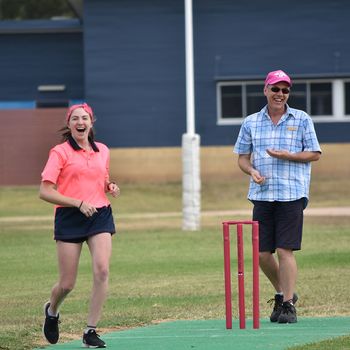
(276, 147)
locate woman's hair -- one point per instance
(65, 133)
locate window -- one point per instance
(321, 99)
(255, 98)
(231, 104)
(237, 100)
(298, 96)
(347, 98)
(314, 98)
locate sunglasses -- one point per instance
(285, 91)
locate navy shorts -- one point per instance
(73, 226)
(280, 224)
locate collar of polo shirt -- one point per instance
(76, 147)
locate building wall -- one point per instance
(26, 137)
(37, 53)
(134, 58)
(135, 61)
(128, 61)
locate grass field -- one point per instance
(159, 272)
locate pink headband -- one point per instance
(85, 106)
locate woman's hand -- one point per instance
(113, 189)
(87, 209)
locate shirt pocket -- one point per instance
(292, 140)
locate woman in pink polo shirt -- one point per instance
(76, 180)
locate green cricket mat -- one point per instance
(212, 335)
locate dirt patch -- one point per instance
(328, 211)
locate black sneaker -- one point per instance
(92, 340)
(50, 327)
(288, 314)
(277, 308)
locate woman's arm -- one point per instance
(49, 194)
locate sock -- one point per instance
(279, 293)
(50, 313)
(88, 328)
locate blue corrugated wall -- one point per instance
(135, 61)
(33, 58)
(128, 61)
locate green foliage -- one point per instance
(34, 9)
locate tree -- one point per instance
(35, 9)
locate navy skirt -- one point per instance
(71, 224)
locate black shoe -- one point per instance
(277, 308)
(92, 340)
(50, 327)
(288, 314)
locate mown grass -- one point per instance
(340, 343)
(167, 197)
(158, 272)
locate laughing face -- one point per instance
(80, 124)
(277, 96)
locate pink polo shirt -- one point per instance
(78, 173)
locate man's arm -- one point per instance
(246, 166)
(303, 157)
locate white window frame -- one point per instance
(338, 100)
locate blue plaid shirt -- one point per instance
(285, 180)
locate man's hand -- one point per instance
(303, 157)
(279, 154)
(257, 178)
(246, 166)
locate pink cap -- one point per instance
(276, 77)
(85, 106)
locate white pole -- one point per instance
(191, 184)
(189, 68)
